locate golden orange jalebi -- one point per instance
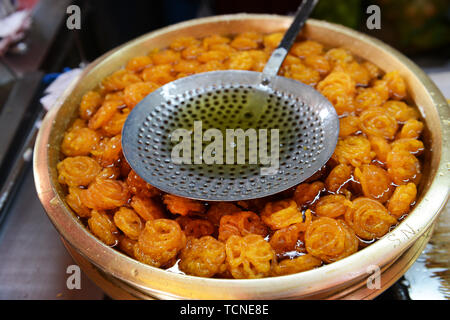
(298, 264)
(147, 208)
(338, 178)
(78, 171)
(79, 142)
(354, 150)
(241, 223)
(332, 206)
(306, 193)
(369, 183)
(183, 206)
(375, 122)
(128, 222)
(249, 257)
(403, 167)
(160, 242)
(105, 194)
(281, 214)
(349, 125)
(401, 201)
(375, 182)
(369, 218)
(103, 227)
(203, 257)
(330, 240)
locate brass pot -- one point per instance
(335, 280)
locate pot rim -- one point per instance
(167, 284)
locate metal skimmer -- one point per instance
(306, 124)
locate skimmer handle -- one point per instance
(280, 53)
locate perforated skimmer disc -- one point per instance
(307, 125)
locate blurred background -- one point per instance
(36, 47)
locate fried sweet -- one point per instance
(318, 63)
(77, 171)
(104, 113)
(218, 209)
(183, 206)
(241, 224)
(135, 92)
(186, 66)
(332, 206)
(411, 129)
(413, 146)
(396, 85)
(403, 167)
(401, 201)
(160, 74)
(338, 178)
(339, 88)
(103, 227)
(147, 208)
(117, 96)
(108, 151)
(211, 66)
(298, 264)
(330, 240)
(139, 187)
(115, 124)
(381, 147)
(349, 125)
(354, 150)
(272, 40)
(400, 111)
(213, 40)
(376, 122)
(240, 61)
(105, 194)
(339, 56)
(89, 104)
(289, 61)
(138, 63)
(203, 257)
(192, 52)
(307, 193)
(358, 73)
(112, 172)
(287, 240)
(375, 160)
(246, 42)
(373, 70)
(375, 182)
(369, 218)
(374, 96)
(281, 214)
(182, 43)
(307, 48)
(159, 242)
(303, 74)
(198, 228)
(128, 222)
(249, 257)
(79, 142)
(166, 56)
(212, 55)
(126, 245)
(77, 124)
(119, 80)
(75, 202)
